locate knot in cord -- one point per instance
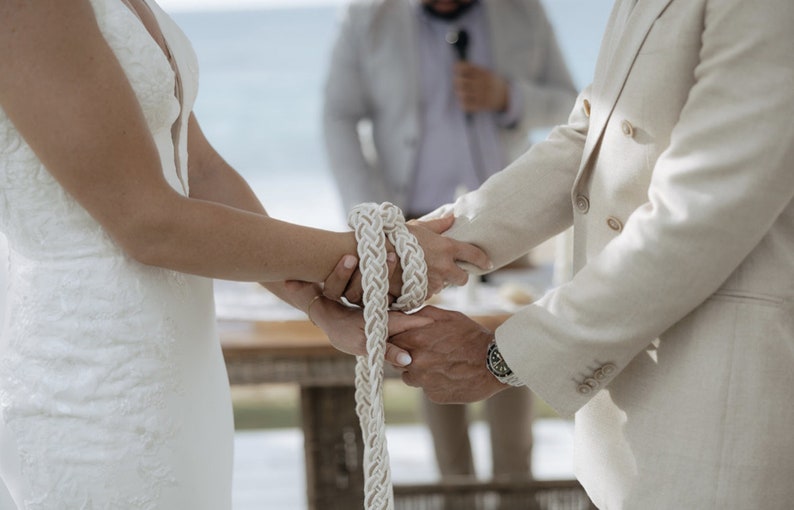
(373, 224)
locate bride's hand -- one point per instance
(345, 280)
(344, 326)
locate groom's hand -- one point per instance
(442, 254)
(448, 358)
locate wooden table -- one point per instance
(298, 352)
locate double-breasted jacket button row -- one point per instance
(614, 224)
(582, 204)
(627, 128)
(596, 379)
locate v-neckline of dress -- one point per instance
(176, 127)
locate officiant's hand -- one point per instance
(479, 89)
(448, 357)
(441, 255)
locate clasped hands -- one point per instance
(441, 351)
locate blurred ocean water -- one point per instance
(260, 98)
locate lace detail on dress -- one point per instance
(72, 384)
(144, 63)
(27, 184)
(89, 381)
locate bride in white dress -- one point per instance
(118, 212)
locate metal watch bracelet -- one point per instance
(497, 366)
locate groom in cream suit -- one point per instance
(673, 345)
(439, 124)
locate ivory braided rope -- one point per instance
(372, 224)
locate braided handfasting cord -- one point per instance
(372, 223)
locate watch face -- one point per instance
(497, 363)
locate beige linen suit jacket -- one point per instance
(373, 76)
(673, 345)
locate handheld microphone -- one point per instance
(459, 40)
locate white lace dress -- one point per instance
(113, 390)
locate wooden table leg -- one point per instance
(333, 448)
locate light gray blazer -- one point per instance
(373, 76)
(674, 342)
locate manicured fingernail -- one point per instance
(404, 359)
(391, 257)
(349, 262)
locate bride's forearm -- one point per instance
(300, 295)
(223, 231)
(218, 241)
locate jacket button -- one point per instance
(586, 107)
(584, 389)
(599, 375)
(608, 369)
(591, 382)
(614, 224)
(582, 204)
(627, 128)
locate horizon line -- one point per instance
(241, 5)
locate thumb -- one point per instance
(398, 357)
(436, 314)
(438, 225)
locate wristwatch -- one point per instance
(497, 365)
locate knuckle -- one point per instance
(456, 315)
(434, 397)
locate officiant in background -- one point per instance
(423, 100)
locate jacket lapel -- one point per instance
(497, 16)
(392, 37)
(614, 66)
(408, 34)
